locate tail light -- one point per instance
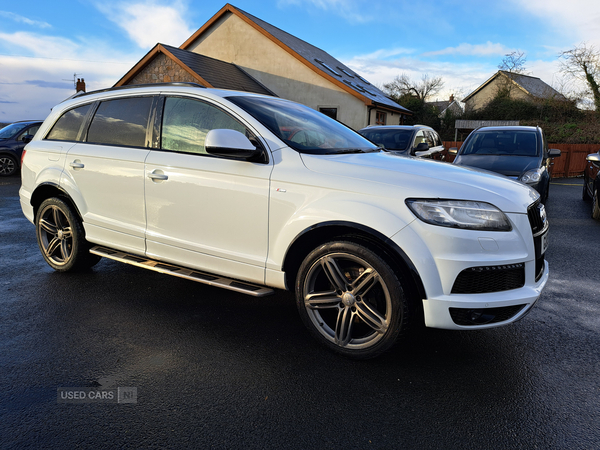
(23, 157)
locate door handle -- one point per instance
(158, 176)
(77, 164)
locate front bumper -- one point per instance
(498, 306)
(440, 255)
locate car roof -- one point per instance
(27, 121)
(396, 127)
(508, 128)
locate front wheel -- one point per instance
(61, 237)
(596, 205)
(585, 195)
(351, 300)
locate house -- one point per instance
(451, 105)
(520, 87)
(235, 50)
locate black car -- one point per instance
(591, 183)
(409, 140)
(13, 139)
(518, 152)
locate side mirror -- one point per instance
(453, 150)
(230, 144)
(594, 157)
(553, 153)
(422, 147)
(27, 138)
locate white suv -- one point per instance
(254, 193)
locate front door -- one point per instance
(205, 212)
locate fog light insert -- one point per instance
(484, 316)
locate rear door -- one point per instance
(107, 170)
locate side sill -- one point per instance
(182, 272)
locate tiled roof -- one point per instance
(532, 85)
(220, 74)
(324, 62)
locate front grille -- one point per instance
(535, 218)
(484, 316)
(481, 280)
(539, 224)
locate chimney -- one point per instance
(80, 86)
(451, 98)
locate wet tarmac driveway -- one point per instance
(215, 369)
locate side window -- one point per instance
(30, 131)
(68, 125)
(437, 139)
(420, 138)
(121, 122)
(430, 139)
(186, 123)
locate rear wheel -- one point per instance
(351, 300)
(8, 165)
(61, 237)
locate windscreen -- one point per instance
(508, 142)
(12, 130)
(303, 128)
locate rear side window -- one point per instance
(186, 123)
(67, 127)
(121, 122)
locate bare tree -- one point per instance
(513, 62)
(583, 63)
(402, 86)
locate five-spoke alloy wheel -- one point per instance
(8, 165)
(351, 300)
(61, 237)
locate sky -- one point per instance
(45, 45)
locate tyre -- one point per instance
(61, 237)
(585, 195)
(8, 165)
(351, 300)
(596, 205)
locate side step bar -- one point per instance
(182, 272)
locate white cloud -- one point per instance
(577, 19)
(148, 23)
(347, 9)
(25, 20)
(31, 85)
(487, 49)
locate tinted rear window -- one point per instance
(67, 127)
(121, 122)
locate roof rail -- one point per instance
(134, 86)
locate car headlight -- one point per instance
(532, 176)
(460, 214)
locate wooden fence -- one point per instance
(570, 163)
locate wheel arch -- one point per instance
(48, 190)
(318, 234)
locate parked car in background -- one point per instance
(591, 183)
(409, 140)
(13, 139)
(254, 193)
(519, 152)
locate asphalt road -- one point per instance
(215, 369)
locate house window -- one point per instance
(380, 118)
(331, 112)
